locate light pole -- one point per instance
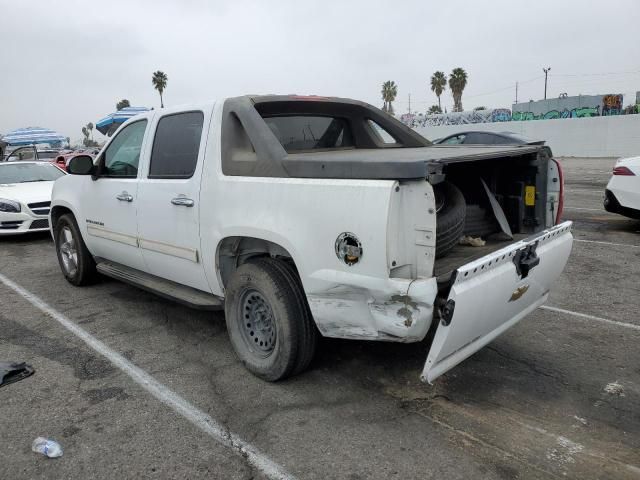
(546, 72)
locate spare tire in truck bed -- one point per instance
(480, 222)
(450, 215)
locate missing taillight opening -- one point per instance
(561, 199)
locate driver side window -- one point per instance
(123, 154)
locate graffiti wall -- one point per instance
(457, 118)
(580, 106)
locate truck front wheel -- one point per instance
(268, 319)
(76, 262)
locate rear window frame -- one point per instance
(346, 121)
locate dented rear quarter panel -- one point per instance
(305, 217)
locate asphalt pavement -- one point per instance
(557, 396)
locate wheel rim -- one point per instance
(258, 323)
(68, 252)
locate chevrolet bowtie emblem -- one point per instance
(518, 292)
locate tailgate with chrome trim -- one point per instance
(491, 294)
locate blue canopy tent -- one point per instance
(111, 122)
(34, 135)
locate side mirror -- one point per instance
(81, 165)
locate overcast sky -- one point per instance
(66, 63)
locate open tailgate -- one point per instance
(493, 293)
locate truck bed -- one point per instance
(393, 163)
(463, 254)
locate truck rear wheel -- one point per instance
(268, 319)
(450, 216)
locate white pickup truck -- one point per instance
(303, 216)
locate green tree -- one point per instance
(122, 104)
(457, 82)
(90, 128)
(438, 85)
(159, 81)
(434, 109)
(389, 93)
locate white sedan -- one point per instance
(25, 196)
(623, 191)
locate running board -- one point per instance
(188, 296)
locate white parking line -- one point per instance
(197, 417)
(600, 210)
(585, 190)
(597, 242)
(591, 317)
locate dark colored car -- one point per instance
(487, 138)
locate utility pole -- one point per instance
(546, 72)
(409, 104)
(516, 92)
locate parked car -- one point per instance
(31, 153)
(25, 196)
(622, 194)
(487, 138)
(299, 219)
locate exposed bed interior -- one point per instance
(463, 254)
(518, 184)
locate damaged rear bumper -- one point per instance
(398, 310)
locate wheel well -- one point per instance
(56, 213)
(234, 251)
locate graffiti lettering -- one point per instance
(581, 112)
(611, 105)
(501, 115)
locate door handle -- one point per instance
(125, 197)
(183, 201)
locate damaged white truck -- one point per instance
(306, 216)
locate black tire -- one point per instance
(308, 331)
(450, 216)
(268, 319)
(76, 262)
(479, 222)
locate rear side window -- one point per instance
(176, 145)
(382, 135)
(306, 132)
(479, 139)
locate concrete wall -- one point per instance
(616, 136)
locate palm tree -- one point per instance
(159, 81)
(457, 82)
(122, 104)
(85, 133)
(438, 85)
(389, 93)
(434, 109)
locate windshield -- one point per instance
(29, 172)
